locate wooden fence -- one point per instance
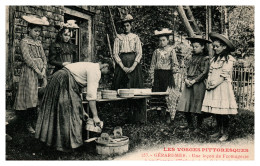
(244, 87)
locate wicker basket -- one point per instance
(115, 147)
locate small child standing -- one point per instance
(193, 94)
(163, 65)
(219, 98)
(33, 72)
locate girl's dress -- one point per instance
(220, 100)
(128, 49)
(33, 58)
(61, 52)
(59, 122)
(192, 97)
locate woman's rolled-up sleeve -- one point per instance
(93, 78)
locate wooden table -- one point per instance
(137, 101)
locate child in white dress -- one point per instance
(219, 97)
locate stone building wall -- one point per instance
(54, 15)
(17, 29)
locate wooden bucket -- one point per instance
(113, 147)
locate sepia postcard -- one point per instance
(129, 82)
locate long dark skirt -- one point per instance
(59, 122)
(192, 98)
(131, 80)
(162, 80)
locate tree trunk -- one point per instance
(209, 28)
(223, 20)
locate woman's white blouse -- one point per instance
(127, 43)
(87, 74)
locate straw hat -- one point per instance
(163, 32)
(71, 24)
(198, 38)
(224, 39)
(127, 18)
(32, 19)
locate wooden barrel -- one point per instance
(109, 94)
(113, 147)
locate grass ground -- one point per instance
(142, 136)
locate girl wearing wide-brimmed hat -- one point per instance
(63, 51)
(163, 65)
(33, 71)
(127, 54)
(197, 71)
(164, 62)
(219, 97)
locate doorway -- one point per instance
(82, 37)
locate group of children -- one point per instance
(33, 76)
(208, 87)
(207, 83)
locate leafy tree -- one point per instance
(151, 18)
(241, 29)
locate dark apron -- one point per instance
(162, 80)
(130, 80)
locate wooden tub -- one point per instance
(110, 148)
